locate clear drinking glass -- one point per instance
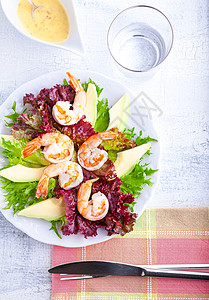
(139, 39)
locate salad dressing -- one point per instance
(49, 23)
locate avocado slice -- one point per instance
(119, 113)
(126, 160)
(50, 209)
(91, 104)
(7, 137)
(20, 173)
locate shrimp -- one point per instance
(95, 209)
(89, 156)
(61, 110)
(70, 175)
(58, 147)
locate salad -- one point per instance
(85, 168)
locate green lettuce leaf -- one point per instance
(103, 116)
(141, 175)
(140, 140)
(65, 82)
(134, 182)
(98, 89)
(130, 206)
(51, 187)
(12, 117)
(57, 225)
(13, 152)
(112, 154)
(129, 133)
(18, 195)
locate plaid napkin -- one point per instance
(161, 236)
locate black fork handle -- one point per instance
(176, 274)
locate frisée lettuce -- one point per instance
(134, 182)
(18, 195)
(13, 152)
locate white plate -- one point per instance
(113, 90)
(73, 43)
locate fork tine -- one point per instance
(76, 278)
(81, 277)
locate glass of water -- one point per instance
(139, 39)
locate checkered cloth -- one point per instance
(160, 236)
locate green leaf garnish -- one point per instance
(57, 225)
(18, 195)
(13, 117)
(103, 116)
(65, 82)
(130, 206)
(85, 86)
(134, 182)
(140, 140)
(112, 154)
(51, 187)
(129, 133)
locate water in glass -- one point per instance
(139, 47)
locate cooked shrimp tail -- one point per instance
(31, 147)
(89, 156)
(70, 175)
(42, 188)
(108, 135)
(61, 111)
(95, 209)
(75, 83)
(57, 147)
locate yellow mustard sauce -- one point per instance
(50, 23)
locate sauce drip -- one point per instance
(50, 23)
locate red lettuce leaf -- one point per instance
(79, 132)
(118, 220)
(38, 118)
(107, 170)
(27, 126)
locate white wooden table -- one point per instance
(180, 89)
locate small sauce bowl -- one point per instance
(73, 43)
